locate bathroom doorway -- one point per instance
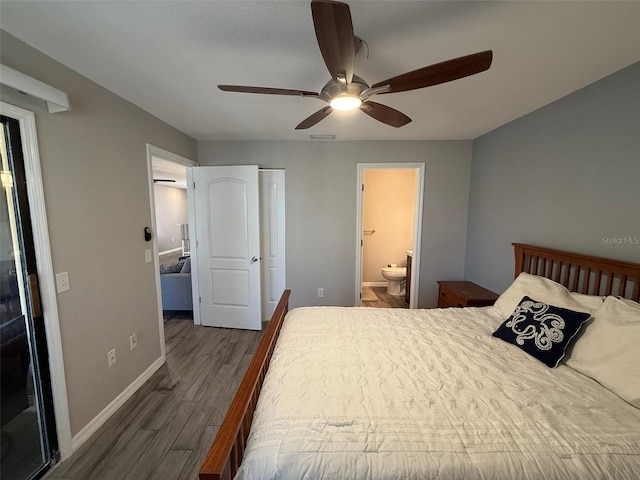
(389, 232)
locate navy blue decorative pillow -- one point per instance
(541, 330)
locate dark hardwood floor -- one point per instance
(379, 298)
(165, 429)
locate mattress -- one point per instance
(363, 393)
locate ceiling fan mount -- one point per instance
(347, 91)
(358, 88)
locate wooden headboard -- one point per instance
(580, 273)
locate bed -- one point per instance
(434, 394)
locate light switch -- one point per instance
(147, 256)
(62, 282)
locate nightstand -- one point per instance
(464, 294)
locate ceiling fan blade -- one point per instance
(311, 120)
(334, 32)
(267, 90)
(385, 114)
(439, 73)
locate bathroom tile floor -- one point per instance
(377, 297)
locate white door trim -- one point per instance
(191, 215)
(417, 224)
(38, 212)
(153, 151)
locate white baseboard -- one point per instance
(179, 249)
(91, 428)
(374, 284)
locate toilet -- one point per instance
(395, 277)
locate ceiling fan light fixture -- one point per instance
(345, 103)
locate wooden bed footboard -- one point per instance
(227, 450)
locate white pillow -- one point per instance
(546, 291)
(630, 302)
(608, 350)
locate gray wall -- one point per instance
(171, 211)
(321, 193)
(94, 170)
(565, 176)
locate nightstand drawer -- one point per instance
(464, 294)
(449, 298)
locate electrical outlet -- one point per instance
(111, 357)
(133, 340)
(320, 292)
(147, 256)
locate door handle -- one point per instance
(34, 290)
(253, 260)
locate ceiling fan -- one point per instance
(347, 91)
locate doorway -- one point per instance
(28, 437)
(167, 166)
(173, 168)
(389, 229)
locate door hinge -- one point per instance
(199, 299)
(361, 243)
(363, 187)
(194, 185)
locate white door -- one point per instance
(272, 239)
(227, 256)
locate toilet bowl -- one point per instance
(395, 279)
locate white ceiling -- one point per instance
(168, 56)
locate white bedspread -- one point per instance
(361, 393)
